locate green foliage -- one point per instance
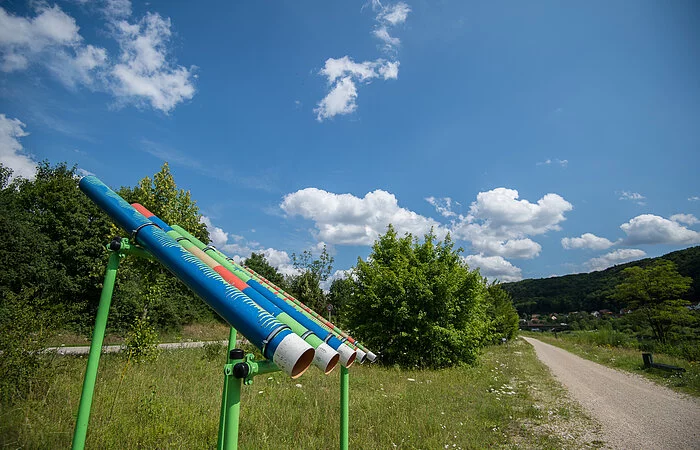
(258, 262)
(655, 292)
(306, 286)
(141, 341)
(418, 304)
(214, 350)
(146, 284)
(504, 317)
(594, 291)
(25, 327)
(53, 241)
(339, 296)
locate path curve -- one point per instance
(634, 412)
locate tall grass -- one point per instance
(174, 403)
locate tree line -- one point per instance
(416, 302)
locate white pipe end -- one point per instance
(326, 358)
(371, 356)
(347, 355)
(293, 355)
(361, 356)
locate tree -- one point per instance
(655, 292)
(306, 286)
(258, 262)
(418, 304)
(504, 317)
(146, 289)
(54, 239)
(339, 295)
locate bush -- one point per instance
(141, 341)
(418, 305)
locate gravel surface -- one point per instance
(634, 412)
(85, 349)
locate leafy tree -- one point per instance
(306, 286)
(339, 295)
(655, 292)
(418, 304)
(503, 315)
(146, 289)
(258, 262)
(54, 240)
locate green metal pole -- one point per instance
(98, 335)
(232, 336)
(233, 408)
(344, 406)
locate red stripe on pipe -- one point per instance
(230, 278)
(142, 209)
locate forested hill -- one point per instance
(591, 291)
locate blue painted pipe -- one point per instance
(275, 340)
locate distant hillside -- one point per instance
(591, 291)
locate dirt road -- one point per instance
(634, 412)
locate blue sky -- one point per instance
(547, 138)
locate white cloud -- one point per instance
(144, 72)
(395, 14)
(11, 151)
(340, 100)
(389, 41)
(587, 240)
(342, 75)
(442, 205)
(561, 162)
(343, 219)
(687, 219)
(693, 198)
(217, 235)
(494, 267)
(634, 197)
(512, 248)
(615, 257)
(652, 229)
(498, 217)
(52, 39)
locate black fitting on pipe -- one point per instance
(236, 353)
(116, 244)
(241, 370)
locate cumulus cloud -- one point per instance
(687, 219)
(144, 73)
(217, 235)
(652, 229)
(587, 240)
(494, 267)
(693, 198)
(12, 154)
(343, 74)
(615, 257)
(344, 219)
(497, 217)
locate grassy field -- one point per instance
(628, 359)
(508, 401)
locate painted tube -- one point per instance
(307, 319)
(276, 341)
(347, 354)
(325, 357)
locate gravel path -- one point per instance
(634, 412)
(85, 349)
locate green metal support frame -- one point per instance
(234, 376)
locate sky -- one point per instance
(546, 137)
